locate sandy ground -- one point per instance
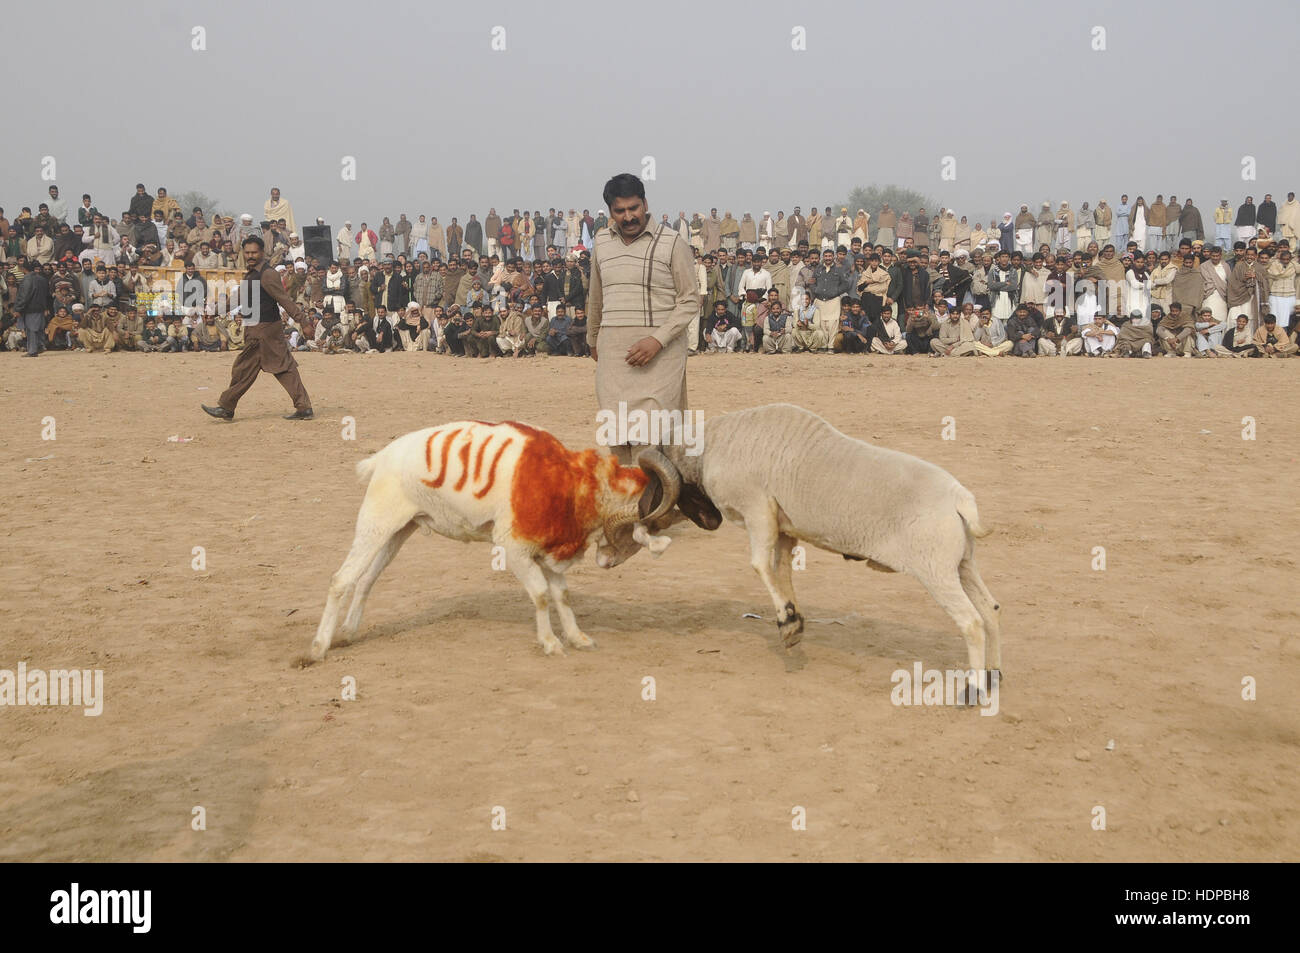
(458, 712)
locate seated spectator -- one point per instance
(334, 342)
(1023, 332)
(483, 330)
(557, 342)
(1207, 341)
(990, 336)
(178, 336)
(455, 333)
(376, 335)
(61, 332)
(922, 326)
(724, 338)
(850, 337)
(129, 328)
(153, 338)
(887, 336)
(1099, 336)
(207, 336)
(1059, 335)
(956, 336)
(413, 329)
(537, 328)
(511, 339)
(1272, 341)
(1237, 341)
(1176, 330)
(806, 335)
(234, 333)
(578, 333)
(13, 330)
(95, 333)
(777, 338)
(1136, 338)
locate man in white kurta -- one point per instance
(643, 296)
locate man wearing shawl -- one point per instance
(1189, 222)
(730, 231)
(1245, 221)
(643, 297)
(1142, 228)
(437, 239)
(1045, 228)
(1288, 222)
(455, 235)
(1083, 225)
(861, 226)
(277, 208)
(1214, 278)
(887, 223)
(1244, 281)
(748, 234)
(1064, 226)
(947, 231)
(1102, 218)
(961, 235)
(711, 232)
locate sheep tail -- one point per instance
(970, 514)
(366, 468)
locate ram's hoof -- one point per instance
(581, 640)
(791, 630)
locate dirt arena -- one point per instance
(458, 712)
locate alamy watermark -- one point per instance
(678, 428)
(36, 687)
(933, 687)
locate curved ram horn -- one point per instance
(656, 464)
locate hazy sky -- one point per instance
(442, 124)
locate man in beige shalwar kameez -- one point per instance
(643, 296)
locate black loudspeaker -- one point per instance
(317, 242)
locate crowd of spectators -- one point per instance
(1130, 280)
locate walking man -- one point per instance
(265, 349)
(32, 305)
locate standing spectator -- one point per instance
(276, 208)
(33, 304)
(343, 240)
(827, 290)
(1282, 286)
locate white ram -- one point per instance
(508, 483)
